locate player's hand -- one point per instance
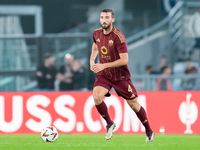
(98, 67)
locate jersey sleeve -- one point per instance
(121, 44)
(120, 41)
(94, 38)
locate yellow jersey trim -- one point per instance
(119, 34)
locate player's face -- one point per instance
(106, 20)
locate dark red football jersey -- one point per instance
(109, 47)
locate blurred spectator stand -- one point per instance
(46, 74)
(163, 82)
(65, 74)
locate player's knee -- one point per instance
(134, 105)
(97, 99)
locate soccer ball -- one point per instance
(49, 134)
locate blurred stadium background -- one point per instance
(29, 29)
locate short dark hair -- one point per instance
(109, 10)
(48, 55)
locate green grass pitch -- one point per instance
(98, 142)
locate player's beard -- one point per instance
(106, 27)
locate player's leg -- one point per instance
(98, 93)
(126, 89)
(141, 113)
(142, 116)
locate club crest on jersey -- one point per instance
(110, 42)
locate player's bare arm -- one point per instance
(122, 61)
(93, 55)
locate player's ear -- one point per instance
(113, 19)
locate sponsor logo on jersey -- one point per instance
(104, 50)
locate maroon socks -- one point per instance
(103, 110)
(141, 114)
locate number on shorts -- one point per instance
(129, 88)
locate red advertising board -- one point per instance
(74, 112)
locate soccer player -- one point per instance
(113, 71)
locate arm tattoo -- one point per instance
(95, 49)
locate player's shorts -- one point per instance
(123, 88)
